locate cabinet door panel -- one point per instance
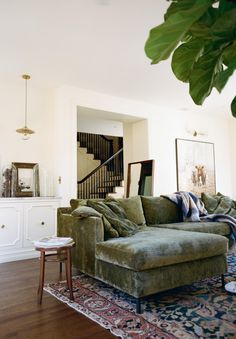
(39, 223)
(10, 227)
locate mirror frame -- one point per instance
(16, 188)
(129, 174)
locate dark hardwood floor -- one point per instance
(22, 318)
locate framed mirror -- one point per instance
(25, 179)
(140, 178)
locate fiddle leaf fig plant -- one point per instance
(201, 36)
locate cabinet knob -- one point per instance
(3, 226)
(42, 223)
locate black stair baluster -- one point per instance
(101, 179)
(94, 189)
(96, 145)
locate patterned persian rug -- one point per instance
(201, 310)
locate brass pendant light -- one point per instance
(25, 130)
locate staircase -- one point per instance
(107, 179)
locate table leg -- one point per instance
(69, 272)
(41, 276)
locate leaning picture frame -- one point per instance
(195, 164)
(25, 179)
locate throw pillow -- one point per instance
(122, 225)
(116, 207)
(85, 212)
(133, 209)
(211, 201)
(74, 203)
(109, 231)
(219, 204)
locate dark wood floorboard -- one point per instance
(22, 318)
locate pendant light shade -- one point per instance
(25, 131)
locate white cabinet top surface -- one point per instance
(28, 199)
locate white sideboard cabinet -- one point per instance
(23, 220)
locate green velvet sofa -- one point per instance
(162, 254)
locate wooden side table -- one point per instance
(63, 254)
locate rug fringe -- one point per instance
(73, 305)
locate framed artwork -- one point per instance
(25, 179)
(195, 162)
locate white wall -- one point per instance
(39, 148)
(54, 118)
(136, 143)
(158, 137)
(99, 126)
(165, 127)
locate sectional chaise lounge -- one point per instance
(159, 253)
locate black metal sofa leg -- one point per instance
(138, 306)
(222, 280)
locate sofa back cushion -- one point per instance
(159, 210)
(133, 209)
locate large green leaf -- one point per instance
(209, 36)
(209, 17)
(233, 107)
(200, 30)
(222, 79)
(225, 26)
(202, 27)
(226, 5)
(177, 6)
(203, 75)
(164, 38)
(184, 58)
(224, 76)
(229, 54)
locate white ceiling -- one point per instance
(93, 44)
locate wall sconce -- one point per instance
(25, 130)
(196, 133)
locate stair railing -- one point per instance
(103, 178)
(96, 144)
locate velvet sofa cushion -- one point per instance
(156, 247)
(109, 231)
(220, 228)
(219, 204)
(119, 222)
(77, 205)
(74, 203)
(85, 212)
(116, 207)
(160, 210)
(131, 206)
(133, 209)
